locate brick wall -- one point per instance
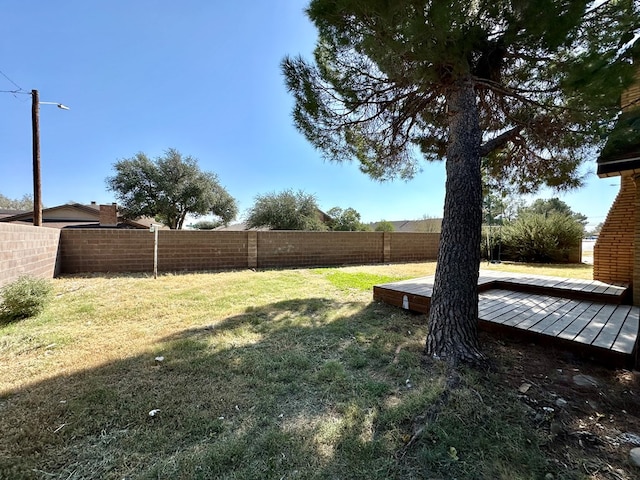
(635, 220)
(109, 215)
(575, 254)
(123, 250)
(613, 252)
(112, 250)
(27, 250)
(631, 97)
(414, 247)
(299, 249)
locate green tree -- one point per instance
(169, 188)
(493, 208)
(24, 203)
(547, 206)
(286, 210)
(347, 220)
(385, 226)
(527, 85)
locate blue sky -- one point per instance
(199, 76)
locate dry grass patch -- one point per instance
(271, 374)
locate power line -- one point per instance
(14, 83)
(15, 92)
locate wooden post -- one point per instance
(37, 185)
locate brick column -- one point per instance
(386, 247)
(252, 249)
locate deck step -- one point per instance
(583, 313)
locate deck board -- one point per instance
(545, 306)
(586, 313)
(628, 335)
(580, 322)
(560, 310)
(610, 331)
(566, 320)
(497, 299)
(595, 325)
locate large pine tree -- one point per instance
(524, 87)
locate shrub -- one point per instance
(385, 226)
(25, 297)
(541, 238)
(206, 225)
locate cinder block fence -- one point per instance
(46, 252)
(111, 250)
(26, 250)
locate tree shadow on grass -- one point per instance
(304, 388)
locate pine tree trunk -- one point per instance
(453, 315)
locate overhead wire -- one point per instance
(14, 83)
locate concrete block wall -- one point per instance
(113, 250)
(613, 251)
(575, 255)
(123, 250)
(303, 249)
(414, 247)
(28, 250)
(46, 252)
(202, 250)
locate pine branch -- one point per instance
(500, 140)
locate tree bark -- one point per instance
(453, 315)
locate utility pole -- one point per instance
(37, 184)
(35, 131)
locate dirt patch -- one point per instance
(588, 415)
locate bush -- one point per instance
(24, 298)
(206, 225)
(541, 238)
(385, 226)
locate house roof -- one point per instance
(4, 212)
(74, 215)
(622, 150)
(416, 226)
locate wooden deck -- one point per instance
(583, 314)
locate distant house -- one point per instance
(9, 213)
(76, 215)
(617, 250)
(426, 225)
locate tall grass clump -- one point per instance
(23, 298)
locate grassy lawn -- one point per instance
(272, 374)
